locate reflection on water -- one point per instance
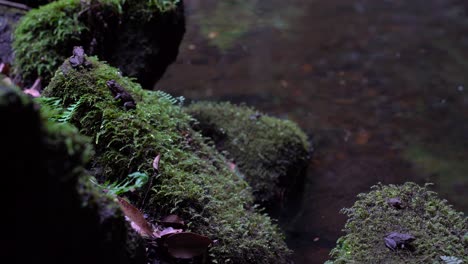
(381, 86)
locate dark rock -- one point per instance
(63, 217)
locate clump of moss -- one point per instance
(270, 152)
(55, 202)
(439, 230)
(193, 182)
(140, 37)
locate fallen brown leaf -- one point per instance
(156, 162)
(362, 137)
(138, 221)
(166, 232)
(173, 221)
(35, 89)
(5, 69)
(187, 245)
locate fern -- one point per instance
(68, 112)
(54, 110)
(136, 180)
(174, 100)
(451, 260)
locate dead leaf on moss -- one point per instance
(166, 232)
(172, 221)
(156, 162)
(137, 219)
(35, 89)
(187, 245)
(232, 166)
(5, 69)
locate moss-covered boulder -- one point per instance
(140, 37)
(271, 153)
(194, 180)
(440, 232)
(56, 206)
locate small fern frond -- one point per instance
(68, 112)
(174, 100)
(135, 180)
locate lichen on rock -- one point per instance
(271, 153)
(433, 227)
(193, 181)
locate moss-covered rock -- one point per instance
(140, 37)
(439, 230)
(69, 220)
(194, 180)
(270, 152)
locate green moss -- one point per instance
(194, 180)
(438, 228)
(44, 36)
(270, 152)
(123, 32)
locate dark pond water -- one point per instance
(380, 85)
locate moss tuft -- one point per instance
(270, 152)
(438, 228)
(194, 181)
(139, 36)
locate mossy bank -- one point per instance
(69, 220)
(271, 153)
(441, 233)
(194, 180)
(140, 37)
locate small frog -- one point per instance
(396, 240)
(120, 93)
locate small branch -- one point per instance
(14, 5)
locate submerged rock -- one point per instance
(140, 37)
(192, 181)
(425, 230)
(60, 217)
(271, 153)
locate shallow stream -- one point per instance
(380, 86)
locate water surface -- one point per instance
(380, 85)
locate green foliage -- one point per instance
(52, 106)
(136, 180)
(270, 152)
(438, 228)
(45, 37)
(164, 5)
(193, 180)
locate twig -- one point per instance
(14, 5)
